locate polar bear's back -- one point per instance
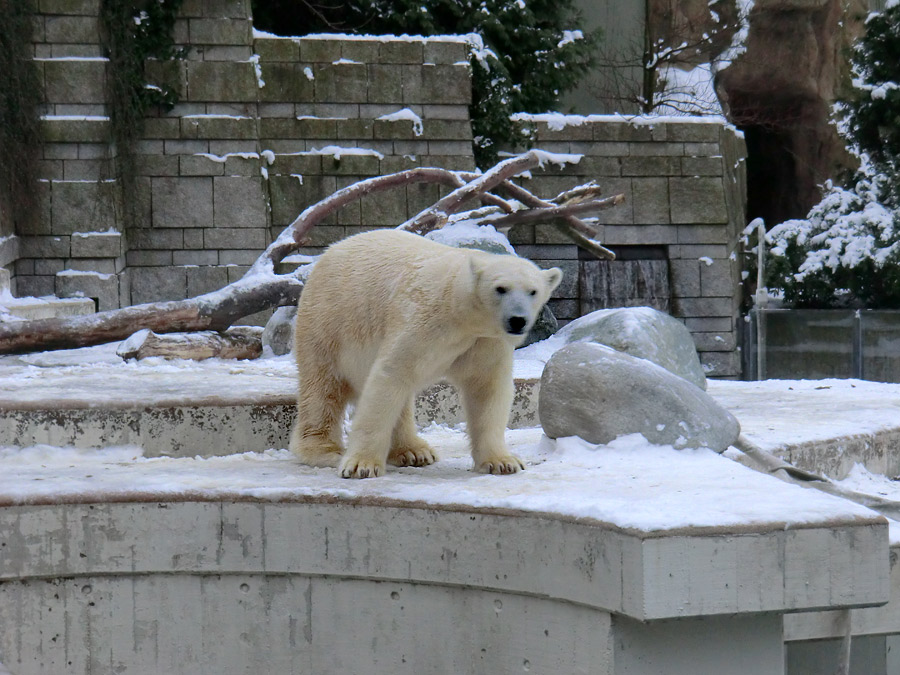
(362, 285)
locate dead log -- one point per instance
(262, 288)
(239, 342)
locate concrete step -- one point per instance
(48, 307)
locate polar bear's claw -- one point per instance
(360, 469)
(421, 455)
(502, 465)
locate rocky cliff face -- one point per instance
(779, 91)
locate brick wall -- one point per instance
(253, 142)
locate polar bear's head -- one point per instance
(513, 290)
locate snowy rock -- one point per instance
(278, 334)
(468, 234)
(642, 332)
(597, 393)
(545, 326)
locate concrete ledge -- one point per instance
(646, 576)
(174, 418)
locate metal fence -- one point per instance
(816, 344)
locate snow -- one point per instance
(337, 152)
(568, 37)
(557, 121)
(464, 233)
(111, 232)
(627, 483)
(223, 158)
(75, 118)
(690, 91)
(405, 114)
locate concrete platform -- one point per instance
(625, 559)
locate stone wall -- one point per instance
(266, 126)
(684, 183)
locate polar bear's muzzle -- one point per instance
(515, 325)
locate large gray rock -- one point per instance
(544, 326)
(278, 334)
(467, 234)
(597, 393)
(642, 332)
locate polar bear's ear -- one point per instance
(553, 276)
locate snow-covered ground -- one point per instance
(629, 483)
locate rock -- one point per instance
(597, 393)
(642, 332)
(545, 326)
(467, 234)
(780, 92)
(278, 334)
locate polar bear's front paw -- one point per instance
(360, 467)
(418, 453)
(501, 464)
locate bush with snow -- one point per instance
(846, 252)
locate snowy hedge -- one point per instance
(846, 252)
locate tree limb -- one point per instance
(261, 288)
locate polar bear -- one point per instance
(386, 313)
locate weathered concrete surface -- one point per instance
(169, 428)
(47, 308)
(884, 620)
(219, 586)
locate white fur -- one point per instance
(386, 313)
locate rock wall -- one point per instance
(265, 126)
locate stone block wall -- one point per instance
(267, 126)
(684, 185)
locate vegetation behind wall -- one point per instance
(135, 31)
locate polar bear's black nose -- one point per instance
(517, 324)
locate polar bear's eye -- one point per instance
(533, 292)
(500, 290)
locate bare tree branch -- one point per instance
(261, 288)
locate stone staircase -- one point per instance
(47, 307)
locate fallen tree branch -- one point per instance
(234, 343)
(262, 288)
(553, 212)
(574, 228)
(436, 215)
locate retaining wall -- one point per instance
(266, 126)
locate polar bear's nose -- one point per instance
(516, 324)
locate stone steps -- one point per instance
(40, 308)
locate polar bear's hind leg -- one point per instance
(316, 437)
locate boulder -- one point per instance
(545, 326)
(278, 334)
(642, 332)
(598, 393)
(468, 234)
